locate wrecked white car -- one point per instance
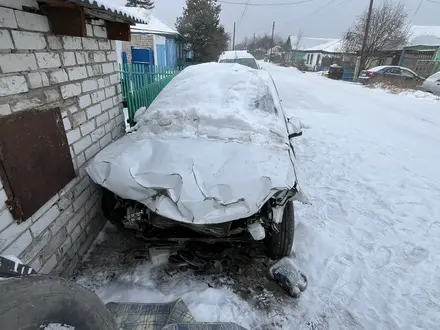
(213, 153)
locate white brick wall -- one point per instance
(12, 85)
(5, 40)
(71, 90)
(48, 60)
(33, 22)
(58, 76)
(77, 75)
(7, 18)
(68, 58)
(38, 79)
(72, 43)
(28, 40)
(17, 62)
(100, 31)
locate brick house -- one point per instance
(60, 103)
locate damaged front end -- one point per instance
(136, 216)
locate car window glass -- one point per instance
(265, 102)
(408, 74)
(249, 62)
(393, 71)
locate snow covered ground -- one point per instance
(370, 242)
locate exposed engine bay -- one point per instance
(136, 216)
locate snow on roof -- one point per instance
(233, 54)
(307, 42)
(108, 6)
(153, 24)
(205, 97)
(424, 35)
(334, 46)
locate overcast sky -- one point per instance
(317, 18)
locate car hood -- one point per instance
(195, 180)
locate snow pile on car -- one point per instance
(222, 101)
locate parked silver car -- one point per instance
(432, 84)
(213, 153)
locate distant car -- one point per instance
(239, 56)
(432, 84)
(388, 72)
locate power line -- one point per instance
(244, 12)
(264, 4)
(316, 11)
(417, 10)
(432, 1)
(345, 2)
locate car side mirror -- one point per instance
(294, 127)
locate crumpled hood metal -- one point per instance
(194, 180)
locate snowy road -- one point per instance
(370, 243)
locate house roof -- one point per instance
(424, 36)
(118, 12)
(307, 42)
(334, 46)
(152, 24)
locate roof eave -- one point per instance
(108, 14)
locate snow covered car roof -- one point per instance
(213, 147)
(222, 101)
(233, 54)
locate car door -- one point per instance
(407, 75)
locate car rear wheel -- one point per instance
(280, 242)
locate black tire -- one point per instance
(279, 244)
(108, 205)
(32, 301)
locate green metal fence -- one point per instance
(141, 84)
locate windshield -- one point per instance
(236, 102)
(250, 62)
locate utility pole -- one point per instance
(364, 43)
(233, 39)
(271, 42)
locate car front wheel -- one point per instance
(110, 209)
(280, 242)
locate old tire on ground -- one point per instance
(108, 205)
(31, 302)
(279, 244)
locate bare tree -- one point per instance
(298, 40)
(388, 31)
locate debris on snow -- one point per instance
(289, 277)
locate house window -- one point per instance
(35, 161)
(311, 59)
(318, 59)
